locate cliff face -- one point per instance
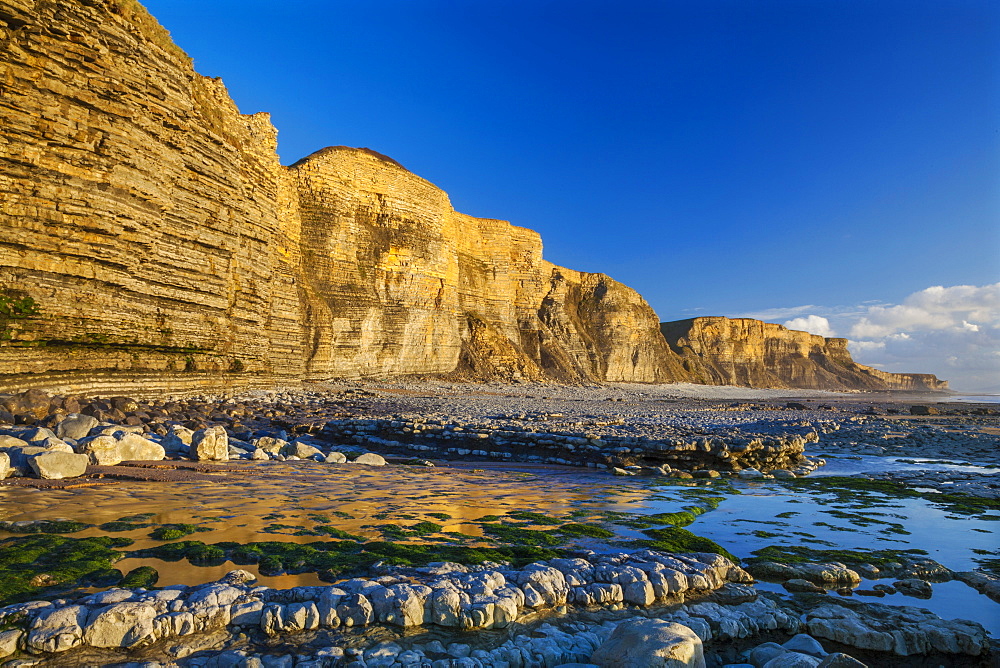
(167, 248)
(742, 351)
(139, 209)
(395, 281)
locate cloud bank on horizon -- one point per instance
(953, 332)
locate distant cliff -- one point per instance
(165, 247)
(751, 353)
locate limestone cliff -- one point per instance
(167, 248)
(150, 239)
(139, 208)
(751, 353)
(395, 281)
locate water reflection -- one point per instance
(274, 501)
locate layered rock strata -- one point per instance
(398, 282)
(751, 353)
(163, 246)
(450, 596)
(153, 241)
(454, 440)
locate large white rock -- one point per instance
(9, 641)
(57, 629)
(11, 442)
(650, 643)
(401, 604)
(792, 660)
(898, 629)
(4, 465)
(178, 440)
(355, 610)
(301, 450)
(270, 444)
(102, 450)
(76, 426)
(58, 465)
(210, 444)
(121, 625)
(371, 459)
(19, 456)
(543, 586)
(133, 447)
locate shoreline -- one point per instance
(667, 455)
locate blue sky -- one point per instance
(721, 157)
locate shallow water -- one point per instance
(855, 464)
(972, 399)
(356, 499)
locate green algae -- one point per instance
(331, 559)
(760, 533)
(143, 577)
(45, 564)
(676, 539)
(866, 492)
(991, 566)
(520, 536)
(281, 528)
(418, 530)
(797, 554)
(857, 519)
(588, 530)
(534, 518)
(45, 526)
(678, 519)
(175, 531)
(334, 532)
(167, 551)
(120, 525)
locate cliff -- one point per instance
(395, 281)
(151, 239)
(751, 353)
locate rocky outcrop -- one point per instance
(443, 594)
(751, 353)
(152, 240)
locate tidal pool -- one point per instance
(294, 501)
(851, 465)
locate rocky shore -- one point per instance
(535, 604)
(233, 623)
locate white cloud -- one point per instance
(867, 346)
(951, 331)
(936, 308)
(814, 324)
